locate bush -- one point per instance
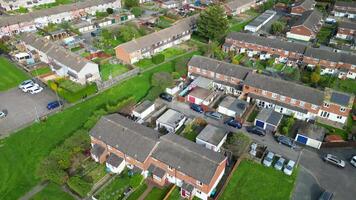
(90, 123)
(162, 80)
(153, 93)
(112, 108)
(175, 75)
(79, 186)
(157, 59)
(137, 11)
(180, 66)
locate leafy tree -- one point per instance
(127, 33)
(137, 11)
(315, 77)
(277, 27)
(215, 51)
(159, 58)
(22, 10)
(131, 3)
(110, 11)
(180, 66)
(212, 23)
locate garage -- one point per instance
(309, 134)
(260, 124)
(268, 119)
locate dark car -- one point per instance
(256, 130)
(233, 123)
(54, 104)
(285, 140)
(166, 97)
(196, 108)
(214, 115)
(326, 196)
(128, 191)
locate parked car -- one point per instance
(256, 130)
(30, 87)
(26, 83)
(334, 160)
(279, 164)
(288, 168)
(166, 97)
(285, 140)
(233, 123)
(54, 104)
(196, 108)
(3, 114)
(267, 161)
(326, 196)
(214, 115)
(36, 90)
(353, 161)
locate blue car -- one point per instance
(196, 108)
(54, 104)
(233, 123)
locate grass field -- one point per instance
(175, 195)
(41, 71)
(52, 192)
(157, 193)
(10, 75)
(252, 181)
(23, 151)
(114, 70)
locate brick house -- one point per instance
(346, 30)
(29, 22)
(302, 6)
(225, 76)
(243, 42)
(168, 159)
(16, 4)
(307, 26)
(345, 9)
(148, 45)
(236, 7)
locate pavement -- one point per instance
(23, 108)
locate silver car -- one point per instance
(279, 164)
(268, 159)
(334, 160)
(353, 161)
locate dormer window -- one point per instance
(326, 105)
(342, 109)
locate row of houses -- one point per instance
(285, 97)
(236, 7)
(346, 30)
(62, 61)
(14, 24)
(299, 7)
(342, 64)
(345, 9)
(9, 5)
(148, 45)
(307, 26)
(120, 142)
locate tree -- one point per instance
(180, 66)
(212, 23)
(215, 51)
(127, 33)
(131, 3)
(137, 11)
(315, 77)
(277, 27)
(162, 80)
(110, 11)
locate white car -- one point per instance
(29, 88)
(353, 161)
(279, 164)
(36, 90)
(26, 83)
(288, 168)
(268, 159)
(3, 114)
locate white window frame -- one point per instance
(326, 105)
(342, 109)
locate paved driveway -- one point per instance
(23, 108)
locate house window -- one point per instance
(293, 101)
(302, 103)
(326, 105)
(198, 191)
(339, 117)
(282, 98)
(170, 168)
(342, 109)
(199, 183)
(274, 95)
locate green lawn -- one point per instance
(52, 192)
(114, 69)
(138, 192)
(10, 75)
(168, 53)
(175, 195)
(41, 71)
(157, 193)
(335, 131)
(22, 152)
(253, 115)
(145, 63)
(347, 85)
(252, 181)
(325, 34)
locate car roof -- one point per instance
(291, 163)
(270, 153)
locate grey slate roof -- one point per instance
(323, 54)
(114, 160)
(143, 106)
(55, 51)
(285, 88)
(310, 130)
(237, 105)
(14, 19)
(270, 116)
(340, 98)
(268, 42)
(262, 18)
(212, 134)
(220, 67)
(310, 19)
(156, 171)
(350, 4)
(134, 140)
(97, 150)
(306, 4)
(234, 4)
(188, 157)
(148, 40)
(171, 117)
(347, 25)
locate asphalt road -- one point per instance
(23, 108)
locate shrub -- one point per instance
(162, 80)
(137, 11)
(175, 75)
(153, 93)
(157, 59)
(90, 123)
(111, 108)
(79, 186)
(180, 66)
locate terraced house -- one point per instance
(345, 9)
(307, 26)
(148, 45)
(236, 7)
(16, 4)
(346, 30)
(341, 64)
(170, 159)
(299, 7)
(14, 24)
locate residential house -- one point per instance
(233, 107)
(29, 22)
(299, 7)
(346, 30)
(170, 4)
(201, 96)
(345, 9)
(171, 121)
(168, 159)
(9, 5)
(62, 61)
(212, 137)
(260, 21)
(307, 26)
(341, 64)
(225, 76)
(236, 7)
(309, 134)
(244, 42)
(148, 45)
(268, 119)
(142, 110)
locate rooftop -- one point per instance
(212, 135)
(171, 117)
(262, 18)
(347, 25)
(143, 106)
(310, 19)
(234, 4)
(270, 116)
(310, 130)
(201, 93)
(306, 4)
(339, 98)
(234, 104)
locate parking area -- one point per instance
(23, 108)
